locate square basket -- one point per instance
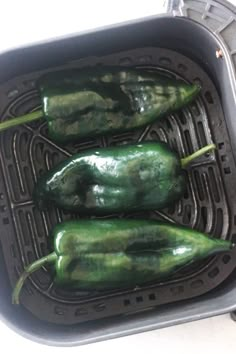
(194, 42)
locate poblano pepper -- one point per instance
(89, 102)
(127, 178)
(110, 254)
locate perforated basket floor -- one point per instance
(26, 153)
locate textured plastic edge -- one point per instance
(220, 18)
(217, 16)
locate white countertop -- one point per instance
(211, 336)
(28, 21)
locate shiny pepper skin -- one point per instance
(118, 254)
(95, 101)
(127, 178)
(104, 254)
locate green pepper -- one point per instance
(117, 254)
(79, 104)
(135, 177)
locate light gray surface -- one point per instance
(214, 335)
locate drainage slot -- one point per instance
(227, 170)
(226, 258)
(182, 67)
(188, 142)
(24, 229)
(195, 109)
(186, 195)
(154, 135)
(13, 251)
(214, 272)
(213, 185)
(168, 124)
(199, 185)
(80, 312)
(100, 307)
(30, 257)
(224, 158)
(233, 238)
(152, 297)
(182, 118)
(171, 209)
(59, 311)
(127, 302)
(219, 223)
(203, 219)
(28, 180)
(23, 141)
(187, 214)
(5, 221)
(139, 299)
(221, 146)
(201, 134)
(209, 98)
(14, 182)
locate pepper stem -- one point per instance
(28, 271)
(186, 160)
(27, 118)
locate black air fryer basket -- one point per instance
(184, 45)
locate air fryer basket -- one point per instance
(180, 48)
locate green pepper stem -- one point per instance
(27, 118)
(29, 270)
(188, 159)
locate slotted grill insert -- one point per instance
(26, 153)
